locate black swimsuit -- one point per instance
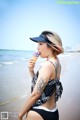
(53, 86)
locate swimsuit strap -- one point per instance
(56, 67)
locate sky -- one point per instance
(22, 19)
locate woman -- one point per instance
(46, 85)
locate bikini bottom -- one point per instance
(47, 114)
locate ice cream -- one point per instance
(35, 56)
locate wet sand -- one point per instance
(16, 88)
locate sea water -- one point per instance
(12, 56)
(14, 76)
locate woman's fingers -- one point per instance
(32, 60)
(31, 64)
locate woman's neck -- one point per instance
(51, 56)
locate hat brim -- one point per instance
(39, 39)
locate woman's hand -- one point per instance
(31, 65)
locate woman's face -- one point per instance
(43, 49)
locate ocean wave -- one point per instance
(8, 63)
(11, 62)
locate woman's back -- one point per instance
(50, 95)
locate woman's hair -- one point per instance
(55, 41)
(54, 51)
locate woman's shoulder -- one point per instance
(47, 66)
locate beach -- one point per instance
(69, 103)
(15, 82)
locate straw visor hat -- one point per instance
(52, 38)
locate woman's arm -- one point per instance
(44, 76)
(29, 102)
